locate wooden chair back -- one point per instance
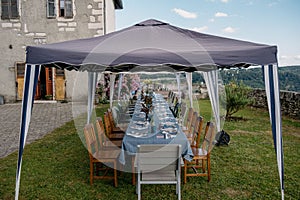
(197, 132)
(193, 122)
(111, 119)
(175, 100)
(189, 117)
(208, 137)
(169, 94)
(107, 124)
(176, 110)
(91, 140)
(100, 132)
(182, 110)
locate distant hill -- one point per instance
(289, 77)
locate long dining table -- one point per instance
(160, 127)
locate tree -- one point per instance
(236, 97)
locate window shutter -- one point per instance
(4, 9)
(14, 9)
(9, 9)
(68, 9)
(51, 8)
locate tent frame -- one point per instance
(68, 58)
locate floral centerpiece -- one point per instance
(147, 106)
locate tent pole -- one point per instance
(178, 87)
(120, 86)
(112, 85)
(273, 97)
(92, 81)
(30, 83)
(190, 89)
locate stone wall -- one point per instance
(34, 27)
(290, 102)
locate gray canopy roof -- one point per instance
(152, 43)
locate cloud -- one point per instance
(289, 60)
(250, 3)
(284, 57)
(229, 29)
(212, 20)
(200, 29)
(297, 57)
(223, 1)
(220, 14)
(184, 13)
(274, 3)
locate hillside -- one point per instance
(289, 77)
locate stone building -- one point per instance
(33, 22)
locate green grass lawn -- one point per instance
(57, 166)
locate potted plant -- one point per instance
(48, 97)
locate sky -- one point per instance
(272, 22)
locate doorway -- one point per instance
(44, 90)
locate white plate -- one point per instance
(169, 130)
(170, 123)
(137, 134)
(138, 127)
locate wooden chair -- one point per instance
(104, 141)
(158, 164)
(122, 116)
(195, 142)
(114, 128)
(100, 157)
(170, 97)
(169, 94)
(110, 134)
(187, 122)
(176, 109)
(189, 132)
(201, 156)
(182, 113)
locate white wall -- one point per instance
(35, 28)
(77, 85)
(110, 16)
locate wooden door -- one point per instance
(49, 81)
(38, 90)
(44, 88)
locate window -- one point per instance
(60, 72)
(20, 69)
(65, 8)
(51, 8)
(9, 9)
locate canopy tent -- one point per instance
(154, 46)
(152, 43)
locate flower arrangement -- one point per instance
(147, 105)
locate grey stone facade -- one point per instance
(33, 27)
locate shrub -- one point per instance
(236, 97)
